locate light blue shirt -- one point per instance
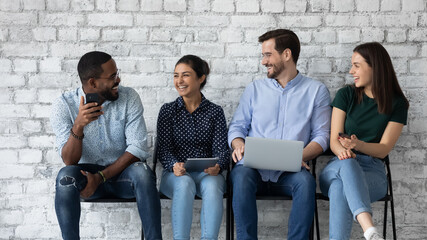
(300, 111)
(121, 128)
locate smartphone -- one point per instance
(93, 97)
(343, 135)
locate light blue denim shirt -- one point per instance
(121, 128)
(300, 111)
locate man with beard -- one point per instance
(286, 105)
(104, 147)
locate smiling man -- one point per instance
(103, 145)
(286, 105)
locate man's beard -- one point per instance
(108, 95)
(277, 69)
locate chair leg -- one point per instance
(385, 218)
(231, 224)
(227, 212)
(142, 234)
(311, 236)
(316, 219)
(393, 220)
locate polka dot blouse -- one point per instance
(200, 134)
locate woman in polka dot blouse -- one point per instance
(192, 127)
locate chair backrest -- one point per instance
(388, 172)
(155, 154)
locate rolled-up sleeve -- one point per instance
(321, 118)
(135, 128)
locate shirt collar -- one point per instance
(181, 104)
(81, 93)
(290, 84)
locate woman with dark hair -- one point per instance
(367, 120)
(192, 127)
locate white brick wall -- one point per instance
(42, 40)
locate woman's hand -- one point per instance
(346, 153)
(178, 169)
(349, 143)
(213, 171)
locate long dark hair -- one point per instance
(384, 81)
(199, 65)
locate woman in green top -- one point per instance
(371, 113)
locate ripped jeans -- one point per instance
(136, 181)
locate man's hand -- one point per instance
(238, 146)
(87, 113)
(304, 164)
(178, 169)
(93, 181)
(213, 171)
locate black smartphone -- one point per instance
(343, 135)
(92, 97)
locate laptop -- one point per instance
(273, 154)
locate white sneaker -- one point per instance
(376, 236)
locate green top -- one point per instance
(363, 119)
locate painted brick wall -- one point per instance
(42, 40)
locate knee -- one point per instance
(69, 180)
(141, 174)
(212, 185)
(185, 184)
(336, 168)
(349, 163)
(68, 175)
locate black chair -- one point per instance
(387, 198)
(262, 197)
(226, 195)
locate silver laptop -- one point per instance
(273, 154)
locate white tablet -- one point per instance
(199, 164)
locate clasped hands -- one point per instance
(348, 144)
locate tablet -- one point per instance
(199, 164)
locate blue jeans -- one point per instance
(182, 191)
(137, 181)
(247, 183)
(351, 184)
